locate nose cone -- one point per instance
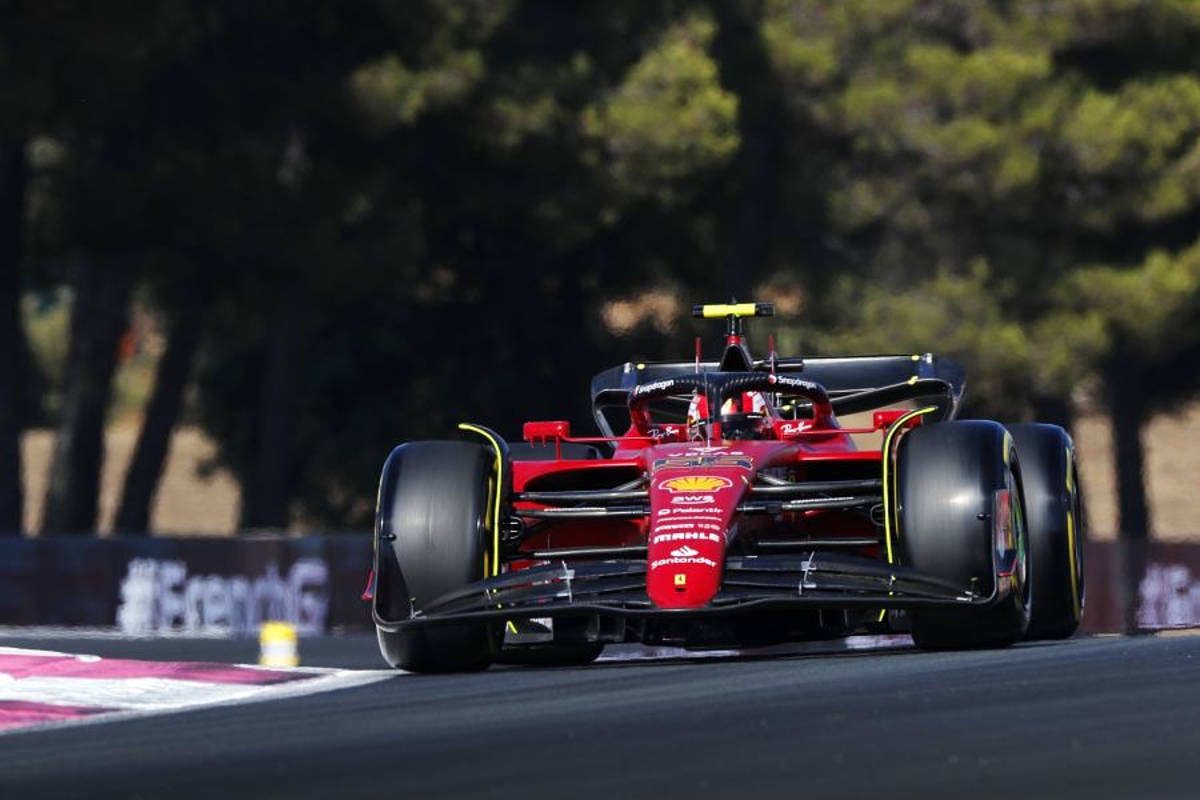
(685, 574)
(690, 514)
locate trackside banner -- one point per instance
(1142, 586)
(202, 587)
(227, 587)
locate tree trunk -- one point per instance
(745, 70)
(1054, 409)
(14, 178)
(98, 320)
(1129, 412)
(150, 453)
(267, 495)
(1129, 415)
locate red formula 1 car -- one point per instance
(731, 503)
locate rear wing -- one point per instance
(854, 383)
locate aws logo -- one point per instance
(695, 483)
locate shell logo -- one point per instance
(696, 483)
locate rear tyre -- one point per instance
(949, 477)
(1054, 518)
(432, 536)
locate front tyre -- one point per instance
(954, 482)
(1054, 517)
(432, 537)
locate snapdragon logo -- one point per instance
(655, 386)
(160, 597)
(795, 383)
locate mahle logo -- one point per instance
(696, 483)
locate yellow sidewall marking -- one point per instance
(886, 453)
(499, 481)
(888, 495)
(1072, 542)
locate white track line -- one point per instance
(113, 699)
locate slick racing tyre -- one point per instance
(950, 480)
(432, 534)
(1054, 518)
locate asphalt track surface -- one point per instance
(1103, 717)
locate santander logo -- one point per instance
(684, 552)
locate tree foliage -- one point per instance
(361, 223)
(1002, 134)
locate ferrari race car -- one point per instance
(734, 503)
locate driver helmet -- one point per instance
(697, 417)
(742, 417)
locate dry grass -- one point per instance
(1172, 471)
(188, 504)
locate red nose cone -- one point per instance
(690, 514)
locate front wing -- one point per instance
(617, 589)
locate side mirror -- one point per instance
(535, 432)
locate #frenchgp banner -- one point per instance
(228, 586)
(1141, 586)
(201, 587)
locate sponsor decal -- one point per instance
(711, 530)
(795, 383)
(792, 428)
(160, 596)
(691, 499)
(653, 386)
(673, 562)
(729, 461)
(684, 552)
(687, 526)
(688, 536)
(699, 510)
(695, 483)
(712, 451)
(696, 525)
(678, 462)
(699, 462)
